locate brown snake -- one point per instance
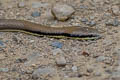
(81, 32)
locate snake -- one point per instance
(35, 28)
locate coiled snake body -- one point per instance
(79, 32)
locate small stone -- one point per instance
(83, 7)
(90, 70)
(107, 42)
(84, 20)
(35, 14)
(43, 71)
(2, 56)
(117, 52)
(60, 61)
(40, 5)
(2, 44)
(29, 71)
(112, 22)
(62, 11)
(31, 41)
(97, 73)
(115, 10)
(107, 15)
(109, 22)
(108, 60)
(87, 23)
(21, 4)
(109, 71)
(92, 17)
(80, 74)
(115, 22)
(48, 15)
(19, 60)
(74, 68)
(116, 75)
(17, 40)
(4, 69)
(32, 59)
(56, 77)
(92, 23)
(57, 44)
(100, 59)
(75, 78)
(18, 79)
(115, 31)
(57, 51)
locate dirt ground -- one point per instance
(28, 57)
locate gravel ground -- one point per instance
(27, 57)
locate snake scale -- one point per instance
(72, 32)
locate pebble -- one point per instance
(40, 5)
(74, 78)
(21, 4)
(109, 22)
(19, 60)
(84, 20)
(4, 69)
(35, 14)
(115, 22)
(115, 10)
(57, 44)
(2, 44)
(32, 41)
(62, 11)
(87, 23)
(32, 59)
(108, 60)
(117, 52)
(29, 71)
(112, 22)
(74, 68)
(109, 71)
(92, 23)
(83, 7)
(57, 51)
(107, 42)
(97, 73)
(48, 15)
(43, 71)
(92, 17)
(116, 75)
(61, 61)
(34, 56)
(17, 40)
(90, 69)
(100, 58)
(2, 56)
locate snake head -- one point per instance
(86, 32)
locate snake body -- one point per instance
(82, 32)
